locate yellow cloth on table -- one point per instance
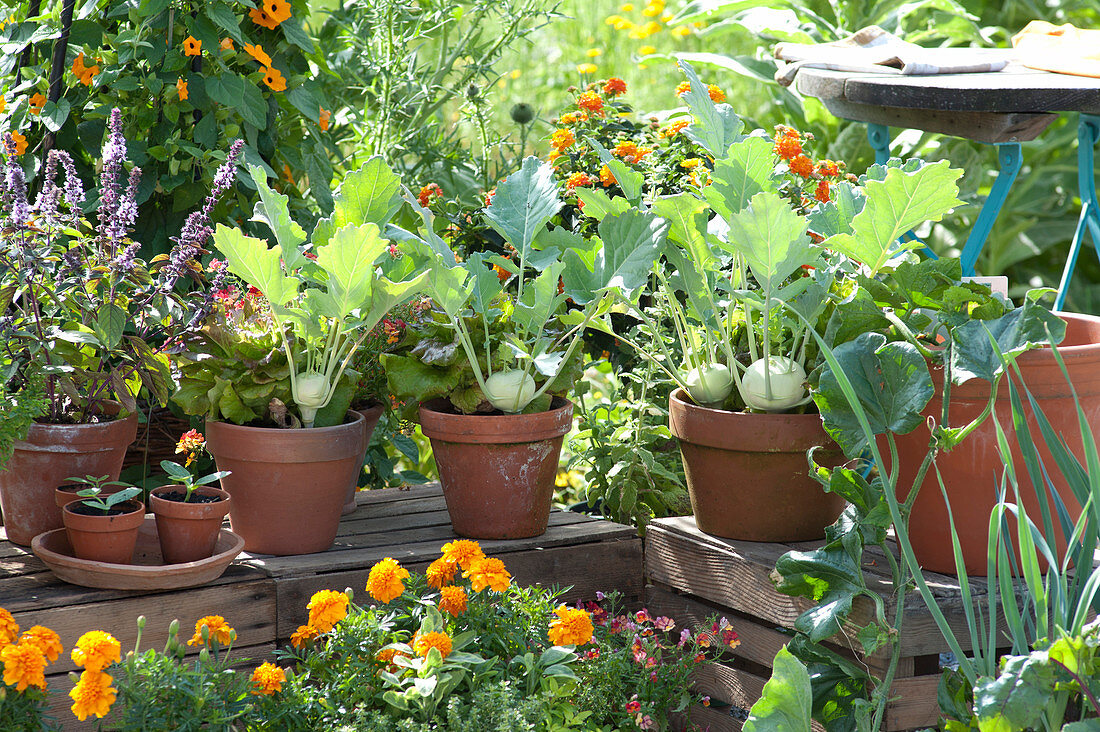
(1065, 49)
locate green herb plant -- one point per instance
(179, 474)
(96, 485)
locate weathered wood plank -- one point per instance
(990, 127)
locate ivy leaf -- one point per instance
(787, 701)
(716, 127)
(524, 203)
(371, 195)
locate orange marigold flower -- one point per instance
(428, 192)
(614, 86)
(96, 650)
(822, 191)
(607, 178)
(181, 90)
(38, 101)
(277, 10)
(462, 552)
(386, 655)
(267, 678)
(488, 572)
(674, 129)
(590, 102)
(20, 142)
(802, 165)
(683, 88)
(716, 95)
(274, 79)
(578, 180)
(423, 644)
(385, 582)
(323, 119)
(326, 609)
(561, 140)
(226, 44)
(192, 46)
(259, 17)
(442, 571)
(787, 147)
(9, 629)
(304, 635)
(257, 52)
(452, 600)
(828, 168)
(93, 694)
(47, 641)
(572, 628)
(24, 665)
(217, 631)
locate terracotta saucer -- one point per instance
(148, 572)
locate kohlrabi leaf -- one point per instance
(371, 194)
(895, 205)
(598, 204)
(486, 283)
(628, 179)
(431, 247)
(835, 216)
(552, 244)
(787, 702)
(716, 127)
(386, 294)
(540, 300)
(972, 350)
(687, 220)
(450, 288)
(252, 261)
(739, 176)
(772, 239)
(349, 258)
(892, 385)
(524, 203)
(272, 210)
(632, 241)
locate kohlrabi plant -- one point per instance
(519, 334)
(324, 301)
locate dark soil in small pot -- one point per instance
(188, 530)
(747, 473)
(497, 470)
(106, 538)
(66, 493)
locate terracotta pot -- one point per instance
(370, 419)
(288, 485)
(971, 472)
(747, 474)
(497, 470)
(188, 531)
(66, 493)
(109, 539)
(51, 454)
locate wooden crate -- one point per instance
(265, 597)
(693, 575)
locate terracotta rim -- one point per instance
(181, 510)
(91, 523)
(742, 431)
(439, 424)
(253, 444)
(100, 436)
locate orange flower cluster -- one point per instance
(578, 180)
(267, 679)
(562, 140)
(429, 192)
(217, 631)
(572, 628)
(788, 146)
(83, 72)
(93, 693)
(716, 94)
(270, 14)
(630, 151)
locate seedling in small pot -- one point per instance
(96, 486)
(179, 474)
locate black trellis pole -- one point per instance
(57, 65)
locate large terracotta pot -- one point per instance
(105, 538)
(288, 485)
(370, 421)
(747, 474)
(188, 531)
(497, 470)
(971, 472)
(50, 455)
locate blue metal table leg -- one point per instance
(879, 137)
(1088, 134)
(1009, 156)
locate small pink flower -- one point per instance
(633, 706)
(685, 636)
(645, 722)
(642, 616)
(664, 623)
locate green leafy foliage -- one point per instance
(785, 704)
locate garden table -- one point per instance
(1002, 108)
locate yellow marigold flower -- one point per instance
(385, 582)
(217, 631)
(627, 7)
(277, 10)
(586, 68)
(260, 18)
(464, 552)
(274, 79)
(593, 52)
(452, 600)
(652, 10)
(572, 628)
(181, 90)
(226, 44)
(24, 665)
(192, 46)
(441, 572)
(681, 31)
(422, 644)
(93, 694)
(267, 678)
(9, 629)
(257, 52)
(326, 609)
(96, 650)
(647, 50)
(717, 95)
(691, 163)
(619, 22)
(303, 635)
(488, 572)
(47, 641)
(38, 101)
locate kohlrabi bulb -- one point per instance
(510, 391)
(312, 389)
(788, 382)
(710, 384)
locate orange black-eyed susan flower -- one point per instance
(192, 46)
(37, 102)
(257, 52)
(226, 44)
(260, 18)
(323, 119)
(277, 10)
(274, 79)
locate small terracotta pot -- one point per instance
(188, 531)
(747, 474)
(370, 419)
(109, 539)
(288, 485)
(497, 471)
(50, 455)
